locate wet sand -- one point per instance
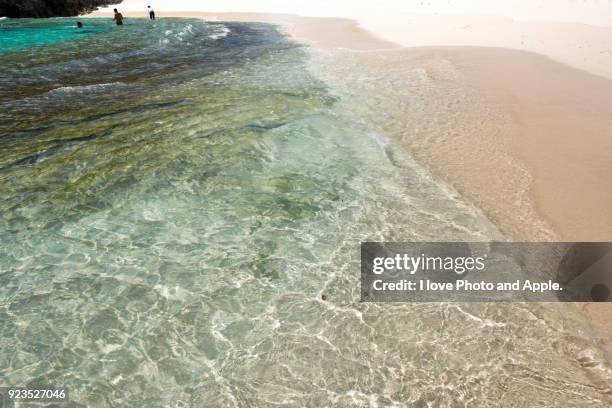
(524, 137)
(562, 120)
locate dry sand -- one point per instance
(584, 46)
(525, 137)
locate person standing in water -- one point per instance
(118, 17)
(151, 12)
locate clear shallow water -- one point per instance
(177, 196)
(20, 34)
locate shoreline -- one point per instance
(318, 32)
(522, 136)
(581, 40)
(527, 143)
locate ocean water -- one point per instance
(20, 34)
(177, 196)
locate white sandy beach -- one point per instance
(526, 95)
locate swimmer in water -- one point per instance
(118, 17)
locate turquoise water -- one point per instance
(20, 34)
(177, 196)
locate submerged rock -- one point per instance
(49, 8)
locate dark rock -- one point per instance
(49, 8)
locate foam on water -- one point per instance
(167, 241)
(223, 31)
(83, 88)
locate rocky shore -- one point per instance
(49, 8)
